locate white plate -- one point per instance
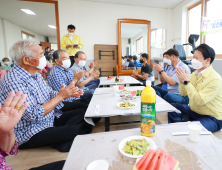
(126, 107)
(123, 143)
(127, 100)
(98, 165)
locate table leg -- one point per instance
(107, 124)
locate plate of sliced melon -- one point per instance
(136, 146)
(156, 160)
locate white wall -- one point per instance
(13, 34)
(96, 23)
(124, 44)
(2, 44)
(53, 40)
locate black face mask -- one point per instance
(141, 61)
(128, 60)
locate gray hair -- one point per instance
(56, 54)
(21, 49)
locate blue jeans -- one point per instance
(89, 93)
(95, 81)
(170, 97)
(210, 123)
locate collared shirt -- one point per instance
(3, 154)
(74, 68)
(205, 93)
(200, 73)
(6, 67)
(59, 76)
(38, 93)
(126, 63)
(171, 72)
(67, 41)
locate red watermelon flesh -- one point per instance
(120, 80)
(145, 162)
(160, 163)
(156, 161)
(139, 164)
(110, 77)
(121, 88)
(153, 164)
(133, 93)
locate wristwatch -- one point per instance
(186, 82)
(161, 71)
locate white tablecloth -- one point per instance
(108, 104)
(128, 80)
(205, 155)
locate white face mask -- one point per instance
(42, 63)
(7, 62)
(66, 63)
(196, 64)
(71, 34)
(168, 61)
(81, 63)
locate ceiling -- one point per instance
(147, 3)
(131, 30)
(45, 15)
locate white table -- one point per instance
(205, 155)
(128, 80)
(108, 106)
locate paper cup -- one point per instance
(194, 132)
(98, 165)
(115, 90)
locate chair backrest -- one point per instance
(181, 51)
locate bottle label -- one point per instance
(148, 118)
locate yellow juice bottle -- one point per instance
(148, 111)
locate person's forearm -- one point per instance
(161, 78)
(84, 82)
(168, 79)
(142, 77)
(7, 141)
(50, 105)
(91, 70)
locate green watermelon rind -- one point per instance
(177, 166)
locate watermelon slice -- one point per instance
(121, 88)
(120, 80)
(133, 93)
(110, 77)
(159, 160)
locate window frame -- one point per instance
(201, 2)
(31, 35)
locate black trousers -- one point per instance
(52, 166)
(72, 61)
(70, 124)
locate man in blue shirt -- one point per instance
(125, 64)
(80, 62)
(62, 74)
(136, 63)
(172, 94)
(43, 123)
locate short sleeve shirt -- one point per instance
(147, 69)
(171, 72)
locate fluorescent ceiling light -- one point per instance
(52, 26)
(27, 11)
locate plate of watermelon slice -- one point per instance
(156, 160)
(152, 145)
